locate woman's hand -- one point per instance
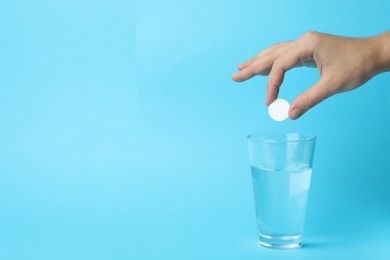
(344, 64)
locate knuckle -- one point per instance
(307, 101)
(310, 37)
(264, 72)
(251, 71)
(277, 66)
(310, 34)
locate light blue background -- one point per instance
(122, 135)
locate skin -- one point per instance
(344, 64)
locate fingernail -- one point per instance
(296, 113)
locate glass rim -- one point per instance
(272, 137)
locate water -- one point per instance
(281, 199)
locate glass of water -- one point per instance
(281, 167)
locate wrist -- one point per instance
(383, 52)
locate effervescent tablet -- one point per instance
(278, 110)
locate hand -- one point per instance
(344, 64)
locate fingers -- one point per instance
(258, 67)
(311, 97)
(241, 66)
(276, 61)
(289, 60)
(262, 55)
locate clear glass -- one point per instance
(281, 166)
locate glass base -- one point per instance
(280, 242)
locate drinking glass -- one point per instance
(281, 166)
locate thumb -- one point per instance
(311, 97)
